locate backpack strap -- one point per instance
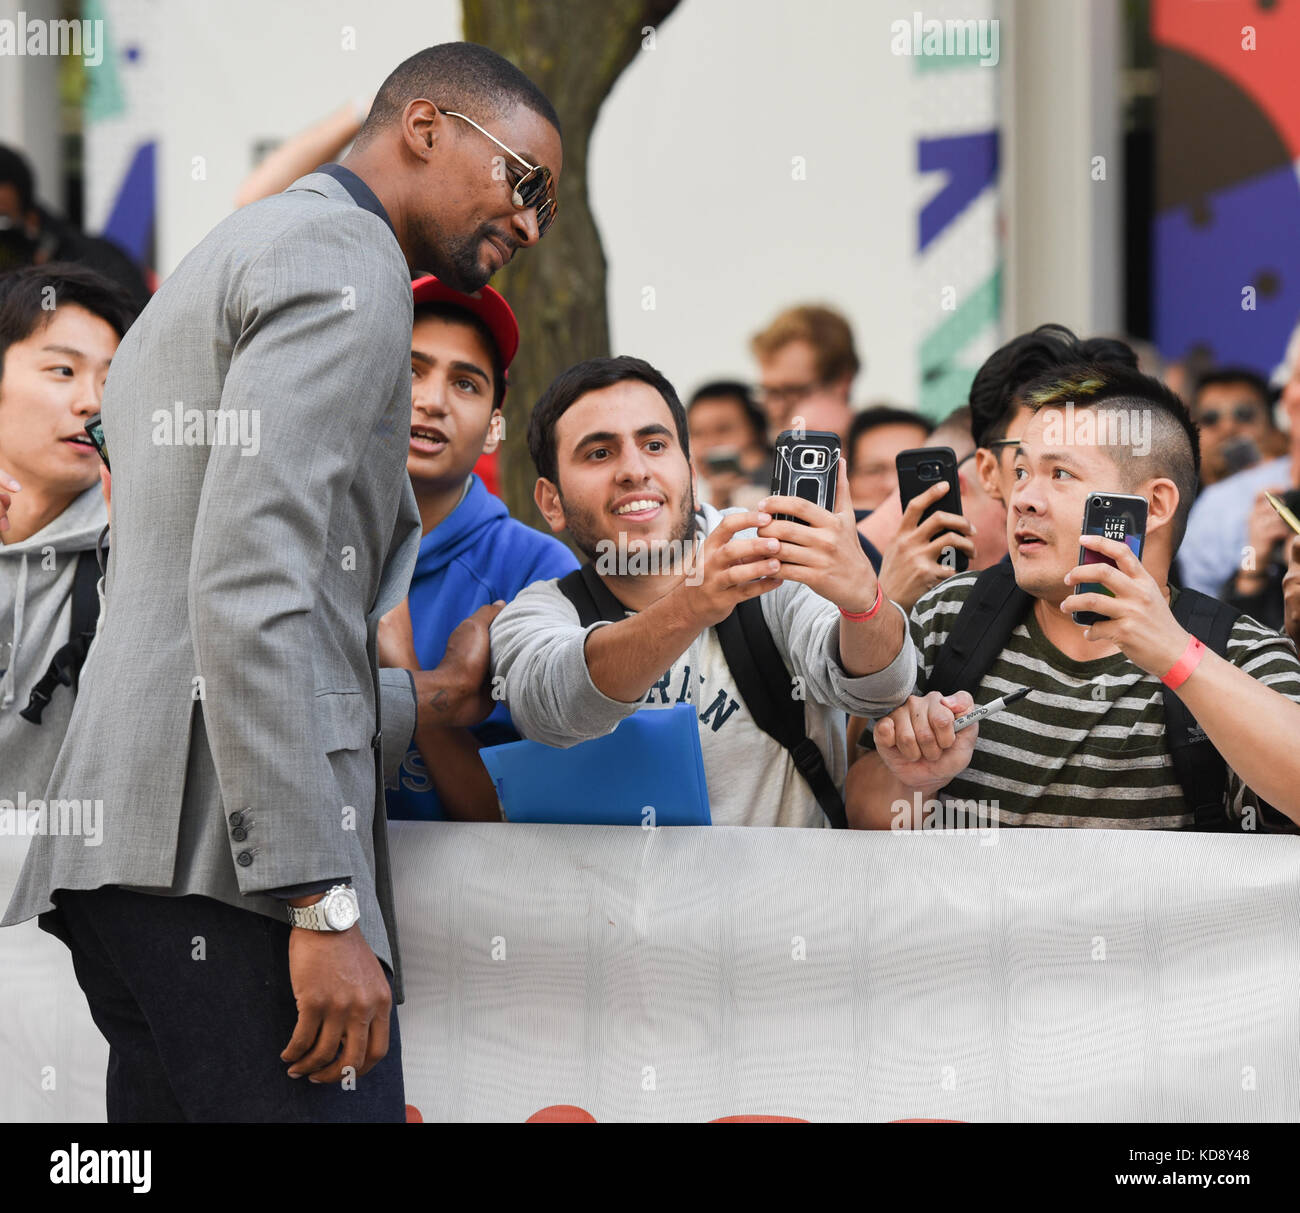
(759, 671)
(764, 683)
(65, 667)
(591, 597)
(993, 609)
(1199, 767)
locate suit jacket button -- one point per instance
(243, 859)
(239, 833)
(236, 819)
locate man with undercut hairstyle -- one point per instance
(996, 419)
(1130, 722)
(232, 716)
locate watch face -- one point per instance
(340, 911)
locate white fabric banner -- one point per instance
(695, 974)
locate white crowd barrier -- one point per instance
(698, 974)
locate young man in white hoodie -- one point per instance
(60, 325)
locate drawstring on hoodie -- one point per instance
(10, 674)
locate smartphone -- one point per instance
(923, 467)
(722, 460)
(806, 464)
(1116, 516)
(95, 429)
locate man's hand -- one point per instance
(1264, 531)
(727, 570)
(917, 742)
(1140, 623)
(343, 999)
(1291, 591)
(825, 555)
(8, 485)
(396, 641)
(923, 553)
(457, 692)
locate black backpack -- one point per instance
(758, 668)
(994, 608)
(65, 667)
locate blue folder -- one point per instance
(652, 759)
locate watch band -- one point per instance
(312, 917)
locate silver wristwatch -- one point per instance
(336, 911)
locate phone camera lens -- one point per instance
(1096, 502)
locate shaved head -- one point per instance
(459, 76)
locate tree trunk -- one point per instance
(574, 51)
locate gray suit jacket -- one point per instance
(228, 716)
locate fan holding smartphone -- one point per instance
(1118, 516)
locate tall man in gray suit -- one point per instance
(229, 716)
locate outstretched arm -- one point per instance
(299, 154)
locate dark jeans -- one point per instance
(200, 1039)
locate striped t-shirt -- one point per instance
(1087, 746)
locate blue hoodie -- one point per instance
(476, 555)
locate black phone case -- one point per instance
(1127, 515)
(790, 476)
(911, 485)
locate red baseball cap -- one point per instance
(486, 304)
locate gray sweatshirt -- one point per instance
(538, 648)
(36, 576)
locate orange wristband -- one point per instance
(1183, 667)
(863, 616)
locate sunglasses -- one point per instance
(535, 190)
(1240, 412)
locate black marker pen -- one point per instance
(975, 715)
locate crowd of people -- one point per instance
(341, 622)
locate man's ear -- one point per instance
(1162, 503)
(422, 126)
(496, 424)
(986, 467)
(547, 496)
